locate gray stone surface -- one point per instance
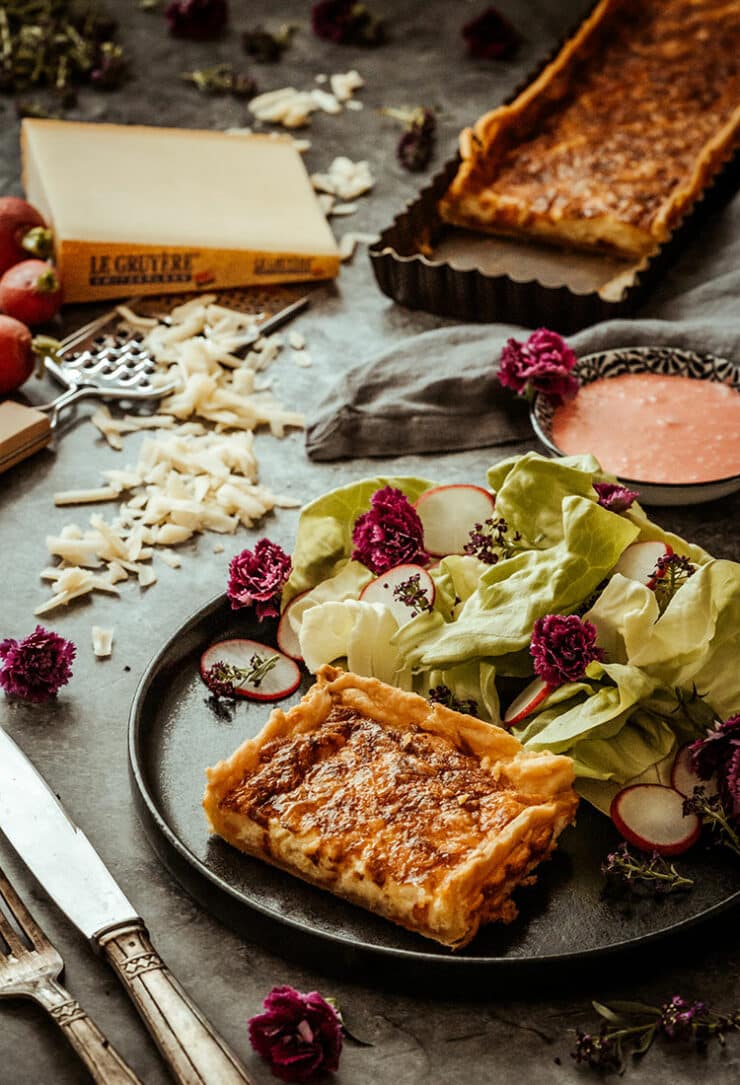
(79, 742)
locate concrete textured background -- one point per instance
(79, 743)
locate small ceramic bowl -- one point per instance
(665, 360)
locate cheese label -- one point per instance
(91, 270)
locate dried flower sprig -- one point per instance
(714, 817)
(489, 541)
(346, 22)
(58, 44)
(223, 678)
(543, 363)
(222, 79)
(642, 875)
(670, 573)
(411, 594)
(298, 1035)
(256, 578)
(36, 667)
(629, 1028)
(614, 497)
(443, 695)
(562, 646)
(265, 46)
(416, 145)
(490, 36)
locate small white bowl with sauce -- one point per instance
(665, 421)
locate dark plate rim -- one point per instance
(156, 824)
(693, 487)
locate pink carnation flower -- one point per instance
(490, 36)
(299, 1035)
(614, 497)
(562, 647)
(256, 578)
(389, 534)
(542, 364)
(197, 19)
(718, 754)
(36, 667)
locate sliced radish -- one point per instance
(383, 590)
(651, 817)
(280, 681)
(527, 701)
(448, 515)
(683, 777)
(640, 561)
(287, 637)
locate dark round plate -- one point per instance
(174, 733)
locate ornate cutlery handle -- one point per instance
(102, 1060)
(195, 1052)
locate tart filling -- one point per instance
(424, 815)
(616, 137)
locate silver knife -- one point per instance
(64, 861)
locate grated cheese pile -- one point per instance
(189, 477)
(293, 108)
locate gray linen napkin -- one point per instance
(438, 392)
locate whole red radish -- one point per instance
(31, 292)
(22, 231)
(17, 358)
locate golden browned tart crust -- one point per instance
(618, 135)
(424, 815)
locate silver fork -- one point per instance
(32, 973)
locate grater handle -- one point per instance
(54, 408)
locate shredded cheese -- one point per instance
(102, 641)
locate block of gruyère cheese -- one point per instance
(140, 210)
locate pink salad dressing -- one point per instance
(654, 428)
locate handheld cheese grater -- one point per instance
(105, 359)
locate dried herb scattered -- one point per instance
(490, 36)
(223, 679)
(715, 817)
(199, 20)
(265, 46)
(222, 79)
(416, 145)
(629, 1029)
(643, 875)
(489, 541)
(345, 22)
(58, 44)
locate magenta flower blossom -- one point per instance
(299, 1035)
(718, 754)
(678, 1015)
(490, 36)
(256, 578)
(389, 534)
(542, 364)
(197, 19)
(36, 667)
(614, 497)
(562, 647)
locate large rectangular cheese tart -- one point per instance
(422, 814)
(617, 136)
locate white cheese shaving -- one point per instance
(86, 497)
(293, 108)
(296, 340)
(344, 84)
(344, 178)
(349, 242)
(102, 641)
